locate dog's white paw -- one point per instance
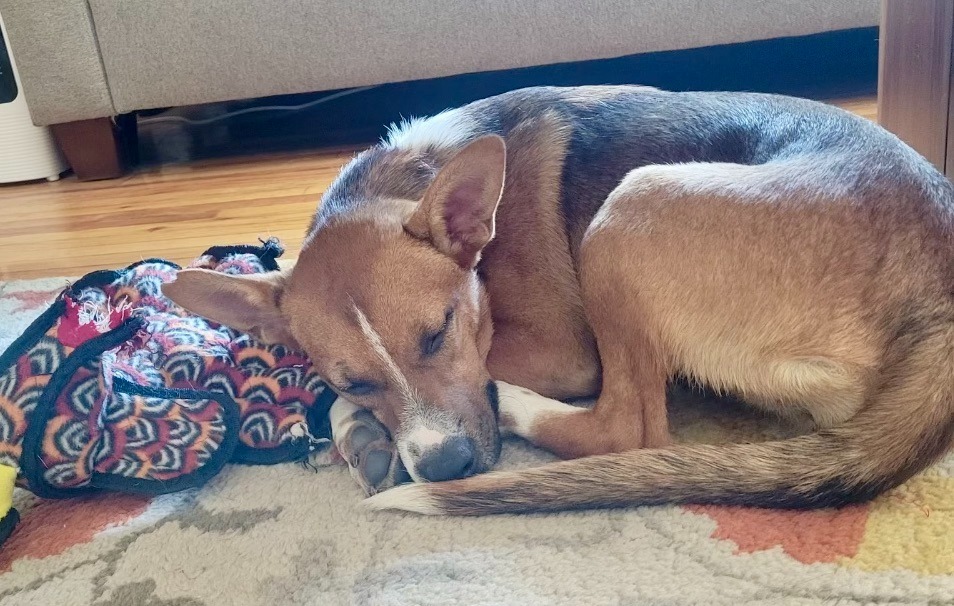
(521, 408)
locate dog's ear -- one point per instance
(246, 303)
(457, 211)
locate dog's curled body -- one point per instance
(775, 248)
(779, 249)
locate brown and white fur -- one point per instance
(605, 240)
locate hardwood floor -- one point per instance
(174, 211)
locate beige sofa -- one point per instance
(87, 59)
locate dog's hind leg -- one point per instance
(630, 412)
(631, 409)
(697, 269)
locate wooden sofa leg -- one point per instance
(101, 148)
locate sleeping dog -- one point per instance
(474, 269)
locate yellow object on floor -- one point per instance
(9, 517)
(8, 476)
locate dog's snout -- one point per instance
(455, 458)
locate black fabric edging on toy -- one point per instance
(30, 460)
(8, 523)
(218, 460)
(290, 451)
(267, 252)
(319, 426)
(100, 277)
(319, 415)
(171, 264)
(32, 335)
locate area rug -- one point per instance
(289, 535)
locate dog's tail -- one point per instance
(907, 424)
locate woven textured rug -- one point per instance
(288, 535)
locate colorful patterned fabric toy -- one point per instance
(115, 387)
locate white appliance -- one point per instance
(27, 152)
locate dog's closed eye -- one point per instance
(358, 388)
(432, 342)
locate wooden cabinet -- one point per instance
(915, 80)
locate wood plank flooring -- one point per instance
(175, 211)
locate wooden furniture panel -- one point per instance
(915, 83)
(950, 121)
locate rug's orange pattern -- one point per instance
(909, 528)
(54, 526)
(807, 536)
(33, 299)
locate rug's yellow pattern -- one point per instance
(911, 528)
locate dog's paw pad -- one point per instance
(366, 445)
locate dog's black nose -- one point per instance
(455, 458)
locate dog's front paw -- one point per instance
(521, 409)
(366, 446)
(512, 407)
